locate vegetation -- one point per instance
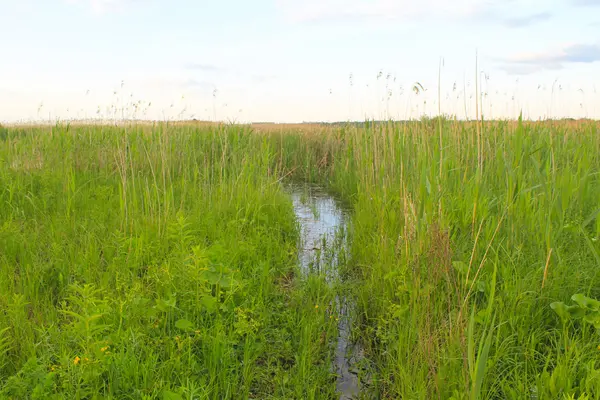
(160, 261)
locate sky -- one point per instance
(298, 61)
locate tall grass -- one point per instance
(159, 261)
(153, 262)
(513, 227)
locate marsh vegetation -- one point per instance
(165, 261)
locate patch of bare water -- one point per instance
(323, 223)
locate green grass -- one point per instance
(437, 240)
(153, 262)
(161, 261)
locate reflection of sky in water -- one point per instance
(328, 220)
(314, 228)
(325, 224)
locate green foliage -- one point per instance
(585, 309)
(146, 262)
(161, 261)
(457, 219)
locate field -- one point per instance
(161, 260)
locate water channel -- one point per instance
(324, 222)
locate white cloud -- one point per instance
(586, 2)
(551, 60)
(322, 10)
(520, 22)
(509, 13)
(104, 6)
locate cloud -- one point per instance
(105, 6)
(172, 83)
(586, 2)
(262, 78)
(527, 69)
(202, 86)
(205, 67)
(486, 11)
(311, 11)
(521, 22)
(234, 73)
(576, 53)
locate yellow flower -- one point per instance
(316, 306)
(104, 349)
(86, 359)
(76, 360)
(599, 347)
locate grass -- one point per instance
(152, 262)
(160, 261)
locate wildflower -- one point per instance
(104, 349)
(316, 306)
(599, 347)
(76, 360)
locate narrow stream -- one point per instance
(323, 241)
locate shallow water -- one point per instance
(323, 221)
